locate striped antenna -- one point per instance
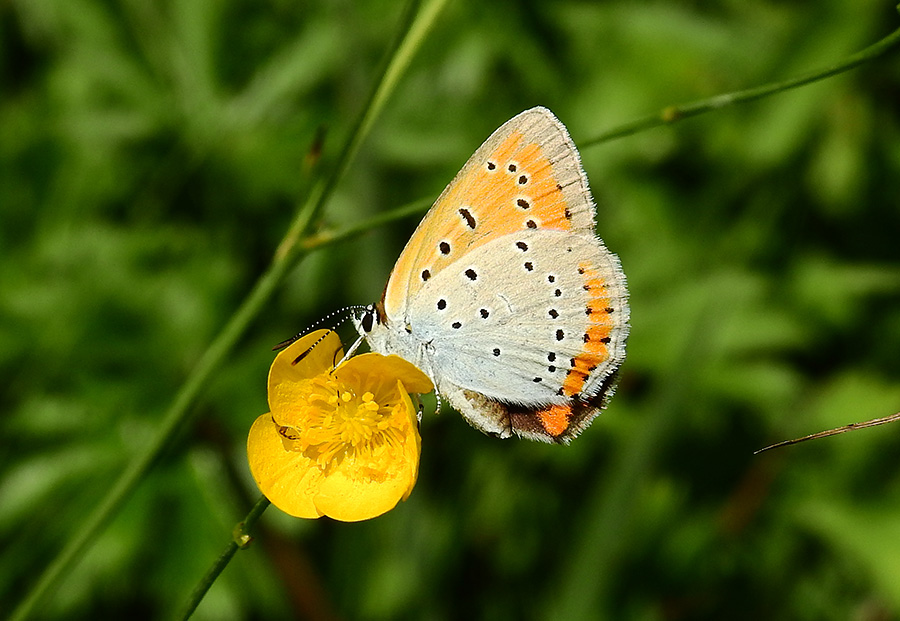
(347, 311)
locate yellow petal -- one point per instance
(348, 498)
(287, 478)
(382, 369)
(325, 354)
(412, 449)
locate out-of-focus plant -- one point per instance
(149, 156)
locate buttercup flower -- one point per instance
(339, 442)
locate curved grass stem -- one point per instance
(667, 116)
(673, 114)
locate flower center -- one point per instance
(333, 423)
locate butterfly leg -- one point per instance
(350, 351)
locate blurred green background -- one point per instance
(152, 155)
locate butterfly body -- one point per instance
(505, 296)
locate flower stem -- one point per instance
(673, 114)
(240, 540)
(419, 18)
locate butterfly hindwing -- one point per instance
(521, 319)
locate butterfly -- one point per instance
(505, 296)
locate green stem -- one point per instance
(417, 23)
(673, 114)
(412, 33)
(240, 540)
(668, 116)
(326, 237)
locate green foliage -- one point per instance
(152, 155)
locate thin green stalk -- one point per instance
(240, 540)
(176, 416)
(326, 237)
(412, 33)
(668, 116)
(673, 114)
(418, 24)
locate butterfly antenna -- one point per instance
(347, 309)
(310, 348)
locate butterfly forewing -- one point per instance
(527, 175)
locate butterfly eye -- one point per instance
(368, 319)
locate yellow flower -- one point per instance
(339, 442)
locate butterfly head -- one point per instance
(385, 336)
(367, 318)
(370, 322)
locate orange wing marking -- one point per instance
(555, 419)
(596, 338)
